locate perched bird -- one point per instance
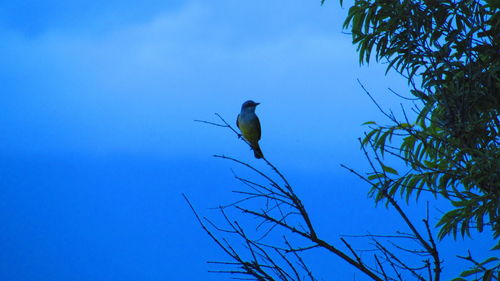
(249, 125)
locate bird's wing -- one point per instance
(238, 121)
(258, 128)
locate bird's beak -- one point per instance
(257, 103)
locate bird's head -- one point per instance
(249, 105)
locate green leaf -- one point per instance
(368, 137)
(489, 260)
(479, 222)
(389, 170)
(470, 272)
(376, 176)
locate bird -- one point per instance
(249, 125)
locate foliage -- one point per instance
(449, 51)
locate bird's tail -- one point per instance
(257, 152)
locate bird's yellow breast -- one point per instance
(250, 129)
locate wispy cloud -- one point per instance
(138, 86)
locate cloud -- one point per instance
(33, 18)
(138, 87)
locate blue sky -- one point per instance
(98, 140)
